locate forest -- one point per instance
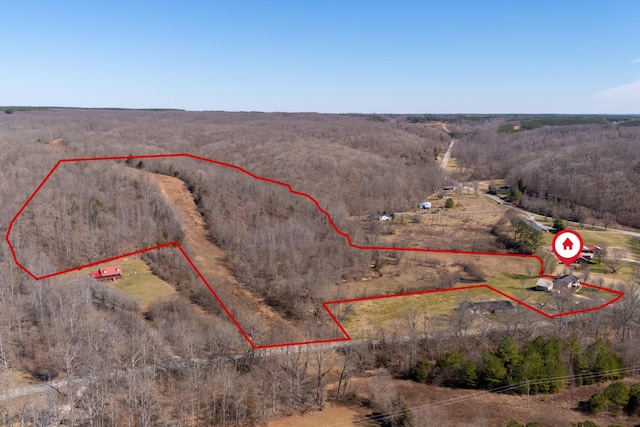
(578, 172)
(110, 358)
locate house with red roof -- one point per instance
(108, 273)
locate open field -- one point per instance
(436, 406)
(466, 226)
(436, 310)
(459, 407)
(137, 281)
(606, 239)
(469, 221)
(365, 319)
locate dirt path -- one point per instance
(445, 159)
(211, 260)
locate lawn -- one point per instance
(600, 238)
(363, 318)
(142, 284)
(138, 281)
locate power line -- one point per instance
(498, 390)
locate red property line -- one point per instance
(335, 227)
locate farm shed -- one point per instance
(536, 225)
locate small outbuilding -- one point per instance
(425, 205)
(536, 225)
(486, 307)
(108, 273)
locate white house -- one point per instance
(544, 285)
(425, 205)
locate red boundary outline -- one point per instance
(325, 304)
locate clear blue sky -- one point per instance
(560, 56)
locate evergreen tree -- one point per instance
(494, 373)
(527, 238)
(617, 394)
(605, 364)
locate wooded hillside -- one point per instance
(570, 171)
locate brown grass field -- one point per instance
(434, 406)
(466, 227)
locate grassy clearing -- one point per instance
(364, 317)
(466, 226)
(138, 281)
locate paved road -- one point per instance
(533, 215)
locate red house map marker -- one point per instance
(567, 245)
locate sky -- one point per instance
(348, 56)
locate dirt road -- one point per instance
(447, 155)
(211, 260)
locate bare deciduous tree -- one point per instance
(613, 258)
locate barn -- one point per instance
(108, 273)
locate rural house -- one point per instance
(567, 281)
(108, 273)
(425, 205)
(588, 252)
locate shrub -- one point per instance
(617, 394)
(449, 203)
(595, 404)
(420, 372)
(559, 224)
(474, 271)
(634, 399)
